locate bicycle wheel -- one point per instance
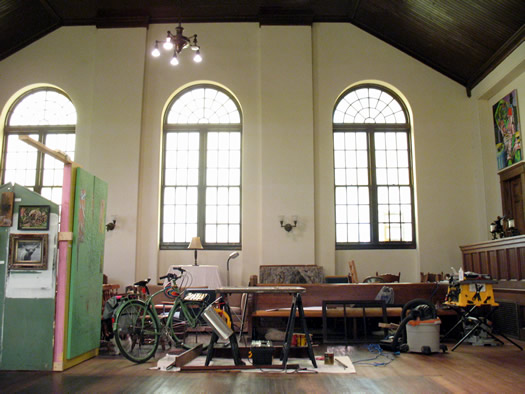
(136, 331)
(188, 327)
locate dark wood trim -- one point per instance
(496, 59)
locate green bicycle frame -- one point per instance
(190, 317)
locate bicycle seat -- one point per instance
(142, 283)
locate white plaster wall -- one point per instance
(115, 138)
(287, 144)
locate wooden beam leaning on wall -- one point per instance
(353, 272)
(56, 154)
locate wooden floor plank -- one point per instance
(469, 369)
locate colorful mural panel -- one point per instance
(507, 130)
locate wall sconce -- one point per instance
(111, 225)
(288, 226)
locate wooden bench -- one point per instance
(277, 306)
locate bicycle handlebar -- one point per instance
(171, 276)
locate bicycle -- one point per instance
(139, 329)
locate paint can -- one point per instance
(329, 359)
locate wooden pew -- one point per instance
(276, 305)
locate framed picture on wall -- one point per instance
(28, 251)
(33, 217)
(507, 130)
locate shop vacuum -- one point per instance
(418, 331)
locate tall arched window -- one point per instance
(201, 177)
(374, 199)
(48, 116)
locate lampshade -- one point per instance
(195, 243)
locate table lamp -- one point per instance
(195, 244)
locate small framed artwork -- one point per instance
(6, 209)
(33, 217)
(28, 251)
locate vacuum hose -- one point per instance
(419, 308)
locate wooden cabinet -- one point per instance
(512, 181)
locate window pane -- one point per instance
(222, 233)
(168, 233)
(42, 108)
(362, 176)
(341, 233)
(366, 105)
(364, 232)
(406, 213)
(211, 233)
(211, 214)
(406, 232)
(363, 195)
(352, 195)
(339, 141)
(180, 233)
(364, 214)
(353, 233)
(352, 214)
(169, 195)
(20, 162)
(393, 195)
(340, 195)
(340, 177)
(235, 196)
(169, 214)
(222, 195)
(340, 214)
(234, 235)
(203, 105)
(339, 159)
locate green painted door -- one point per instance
(87, 259)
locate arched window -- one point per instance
(201, 177)
(374, 199)
(48, 116)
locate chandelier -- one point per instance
(178, 42)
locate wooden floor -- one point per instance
(469, 369)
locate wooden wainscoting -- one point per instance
(504, 260)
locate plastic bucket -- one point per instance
(423, 336)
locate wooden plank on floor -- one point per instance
(189, 355)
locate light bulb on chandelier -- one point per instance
(174, 60)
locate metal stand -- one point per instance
(480, 323)
(233, 342)
(297, 305)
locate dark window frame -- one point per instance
(203, 129)
(371, 129)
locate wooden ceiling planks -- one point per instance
(463, 40)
